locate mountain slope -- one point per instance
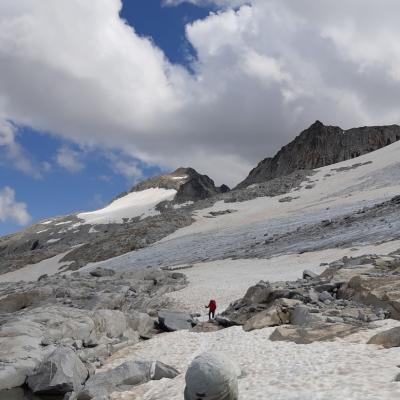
(321, 145)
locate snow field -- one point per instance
(343, 369)
(228, 280)
(353, 189)
(136, 204)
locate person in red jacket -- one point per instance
(212, 306)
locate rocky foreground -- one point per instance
(57, 332)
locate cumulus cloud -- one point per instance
(69, 159)
(12, 210)
(265, 69)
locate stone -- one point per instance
(131, 373)
(377, 291)
(143, 324)
(113, 323)
(259, 293)
(301, 315)
(206, 326)
(100, 272)
(277, 314)
(17, 301)
(171, 321)
(61, 372)
(387, 339)
(324, 296)
(263, 319)
(315, 332)
(308, 274)
(212, 377)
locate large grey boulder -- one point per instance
(212, 377)
(277, 314)
(258, 293)
(143, 324)
(387, 339)
(61, 372)
(112, 323)
(171, 321)
(131, 373)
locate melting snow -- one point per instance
(136, 204)
(53, 240)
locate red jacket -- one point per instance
(212, 305)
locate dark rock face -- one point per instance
(171, 321)
(321, 145)
(190, 185)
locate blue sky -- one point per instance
(95, 182)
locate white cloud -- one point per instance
(219, 3)
(126, 167)
(12, 210)
(12, 153)
(263, 72)
(69, 159)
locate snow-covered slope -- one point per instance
(351, 184)
(333, 191)
(136, 204)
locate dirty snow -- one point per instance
(228, 280)
(33, 271)
(136, 204)
(345, 369)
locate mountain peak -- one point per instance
(321, 145)
(189, 184)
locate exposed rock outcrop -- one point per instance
(92, 317)
(189, 184)
(321, 145)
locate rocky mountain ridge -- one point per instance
(322, 145)
(189, 184)
(85, 242)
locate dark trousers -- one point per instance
(211, 313)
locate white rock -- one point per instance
(212, 377)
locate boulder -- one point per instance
(324, 296)
(301, 316)
(307, 274)
(316, 332)
(171, 321)
(17, 301)
(100, 272)
(212, 377)
(210, 326)
(378, 291)
(277, 314)
(131, 373)
(61, 372)
(142, 323)
(387, 339)
(112, 323)
(259, 293)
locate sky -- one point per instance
(95, 96)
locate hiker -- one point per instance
(212, 306)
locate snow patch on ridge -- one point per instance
(136, 204)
